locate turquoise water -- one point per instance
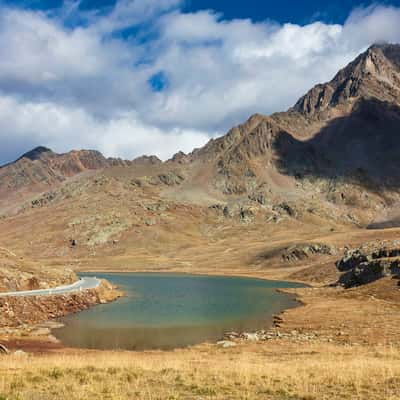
(164, 311)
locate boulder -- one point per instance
(361, 266)
(171, 178)
(250, 336)
(285, 208)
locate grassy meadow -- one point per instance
(284, 371)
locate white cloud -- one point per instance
(372, 24)
(87, 86)
(122, 136)
(128, 13)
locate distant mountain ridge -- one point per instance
(343, 132)
(42, 166)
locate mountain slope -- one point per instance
(330, 161)
(42, 165)
(373, 74)
(41, 169)
(344, 128)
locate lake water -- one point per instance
(165, 310)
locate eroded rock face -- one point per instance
(303, 251)
(368, 75)
(361, 266)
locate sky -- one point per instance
(133, 77)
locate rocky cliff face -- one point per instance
(374, 74)
(345, 130)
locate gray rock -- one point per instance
(285, 208)
(170, 179)
(250, 336)
(305, 250)
(361, 267)
(232, 335)
(246, 214)
(226, 343)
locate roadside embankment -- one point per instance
(19, 314)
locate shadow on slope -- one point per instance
(361, 148)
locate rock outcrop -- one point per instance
(361, 266)
(302, 251)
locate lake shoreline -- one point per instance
(35, 343)
(204, 293)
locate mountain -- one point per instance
(345, 129)
(328, 163)
(373, 74)
(42, 165)
(41, 169)
(280, 197)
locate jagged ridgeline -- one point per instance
(334, 154)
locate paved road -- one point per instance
(84, 283)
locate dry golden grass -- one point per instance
(268, 371)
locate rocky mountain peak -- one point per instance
(37, 153)
(146, 160)
(180, 157)
(373, 74)
(390, 51)
(41, 167)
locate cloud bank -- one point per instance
(146, 78)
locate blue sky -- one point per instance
(300, 12)
(132, 77)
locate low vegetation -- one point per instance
(312, 371)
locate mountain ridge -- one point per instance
(340, 133)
